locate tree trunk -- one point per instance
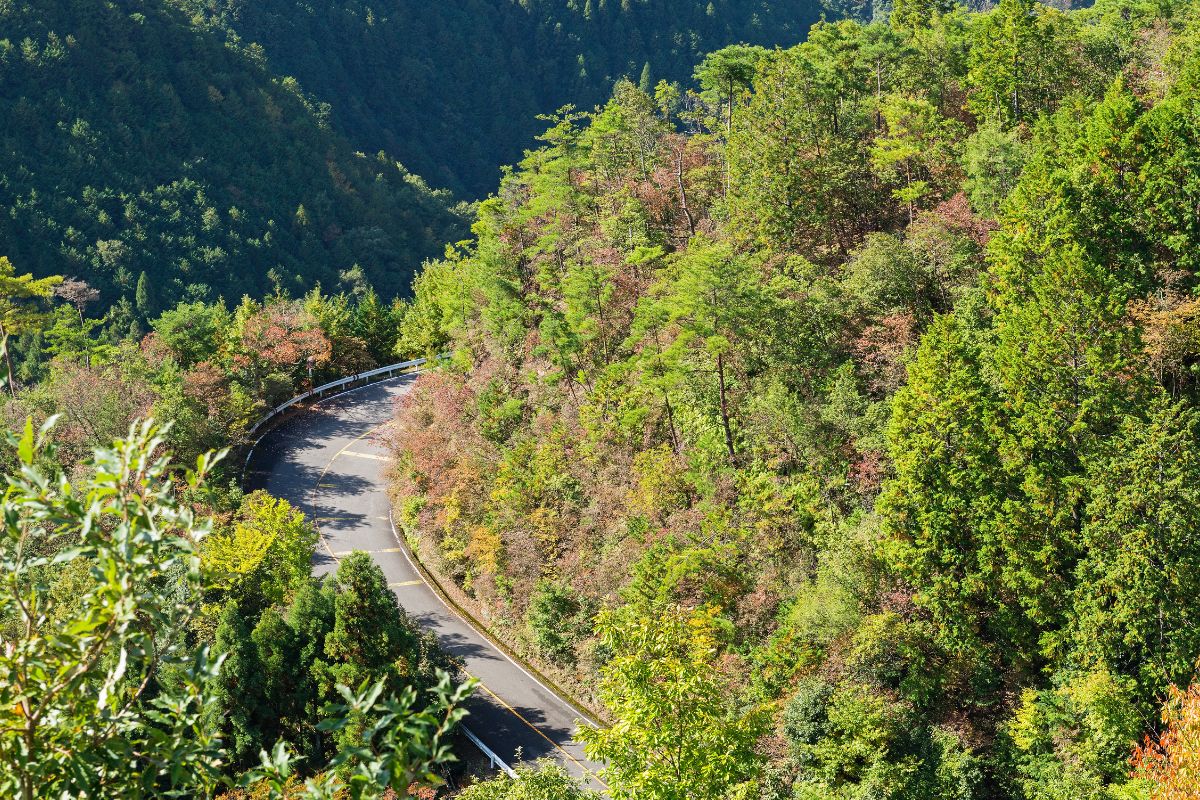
(729, 114)
(87, 357)
(12, 391)
(683, 201)
(878, 96)
(671, 422)
(725, 409)
(728, 135)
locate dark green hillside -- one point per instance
(135, 143)
(453, 87)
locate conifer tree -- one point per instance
(21, 306)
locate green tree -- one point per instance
(885, 275)
(141, 296)
(265, 556)
(21, 308)
(679, 734)
(1137, 585)
(540, 782)
(82, 706)
(378, 325)
(245, 708)
(627, 131)
(1065, 363)
(716, 299)
(646, 81)
(800, 174)
(913, 15)
(917, 150)
(1021, 61)
(73, 338)
(193, 331)
(848, 742)
(404, 751)
(553, 620)
(949, 484)
(372, 638)
(728, 73)
(1074, 738)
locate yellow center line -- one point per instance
(510, 709)
(349, 517)
(398, 584)
(343, 553)
(312, 496)
(538, 731)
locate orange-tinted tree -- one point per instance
(1172, 761)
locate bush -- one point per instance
(850, 741)
(555, 620)
(539, 782)
(894, 654)
(1074, 740)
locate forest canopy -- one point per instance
(826, 420)
(454, 89)
(837, 414)
(141, 153)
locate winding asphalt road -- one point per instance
(327, 462)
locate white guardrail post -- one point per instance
(495, 762)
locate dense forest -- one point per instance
(831, 426)
(825, 418)
(454, 88)
(140, 152)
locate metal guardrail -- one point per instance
(387, 371)
(495, 762)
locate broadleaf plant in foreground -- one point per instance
(101, 694)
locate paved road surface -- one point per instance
(326, 462)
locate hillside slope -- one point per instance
(136, 143)
(454, 88)
(861, 432)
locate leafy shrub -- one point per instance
(1075, 739)
(555, 620)
(537, 782)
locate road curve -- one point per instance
(326, 462)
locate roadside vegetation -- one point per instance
(831, 422)
(163, 634)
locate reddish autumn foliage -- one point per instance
(155, 350)
(880, 350)
(956, 214)
(285, 335)
(1170, 329)
(97, 404)
(1172, 762)
(867, 472)
(206, 383)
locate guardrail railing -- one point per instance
(381, 372)
(495, 762)
(387, 371)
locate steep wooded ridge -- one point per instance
(844, 444)
(830, 423)
(140, 152)
(454, 88)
